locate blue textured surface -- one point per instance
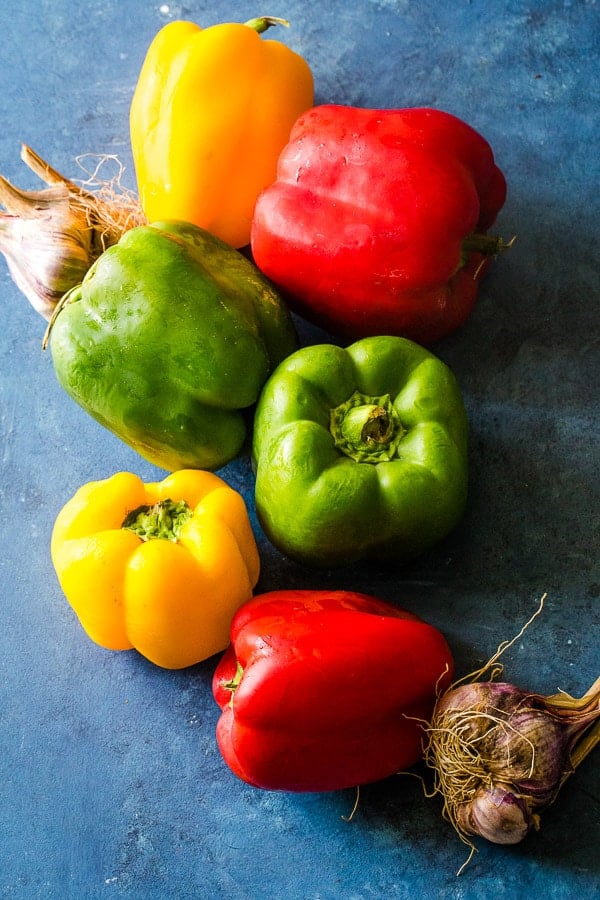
(111, 784)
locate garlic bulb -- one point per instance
(501, 754)
(51, 237)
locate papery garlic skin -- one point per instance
(48, 250)
(529, 751)
(51, 237)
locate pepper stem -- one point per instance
(367, 429)
(486, 244)
(262, 23)
(233, 683)
(368, 424)
(69, 297)
(163, 520)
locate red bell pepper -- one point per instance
(377, 221)
(323, 690)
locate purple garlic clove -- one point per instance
(496, 814)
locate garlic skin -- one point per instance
(47, 243)
(51, 237)
(531, 751)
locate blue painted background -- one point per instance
(111, 784)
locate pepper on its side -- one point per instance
(211, 112)
(377, 222)
(360, 452)
(158, 567)
(324, 690)
(168, 341)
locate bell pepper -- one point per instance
(158, 567)
(168, 341)
(367, 445)
(377, 221)
(210, 114)
(324, 690)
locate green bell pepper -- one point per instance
(360, 452)
(168, 341)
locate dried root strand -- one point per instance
(114, 208)
(492, 669)
(110, 209)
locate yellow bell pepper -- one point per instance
(211, 112)
(158, 567)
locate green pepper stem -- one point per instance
(71, 296)
(368, 424)
(367, 429)
(262, 23)
(233, 684)
(163, 520)
(486, 244)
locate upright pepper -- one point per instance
(360, 452)
(211, 112)
(323, 690)
(168, 341)
(161, 567)
(377, 221)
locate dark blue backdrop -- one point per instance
(111, 784)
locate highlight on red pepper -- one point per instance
(377, 222)
(323, 690)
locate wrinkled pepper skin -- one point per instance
(211, 111)
(324, 690)
(158, 567)
(360, 452)
(377, 221)
(168, 341)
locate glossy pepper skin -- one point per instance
(211, 111)
(158, 567)
(360, 452)
(377, 221)
(168, 341)
(322, 690)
